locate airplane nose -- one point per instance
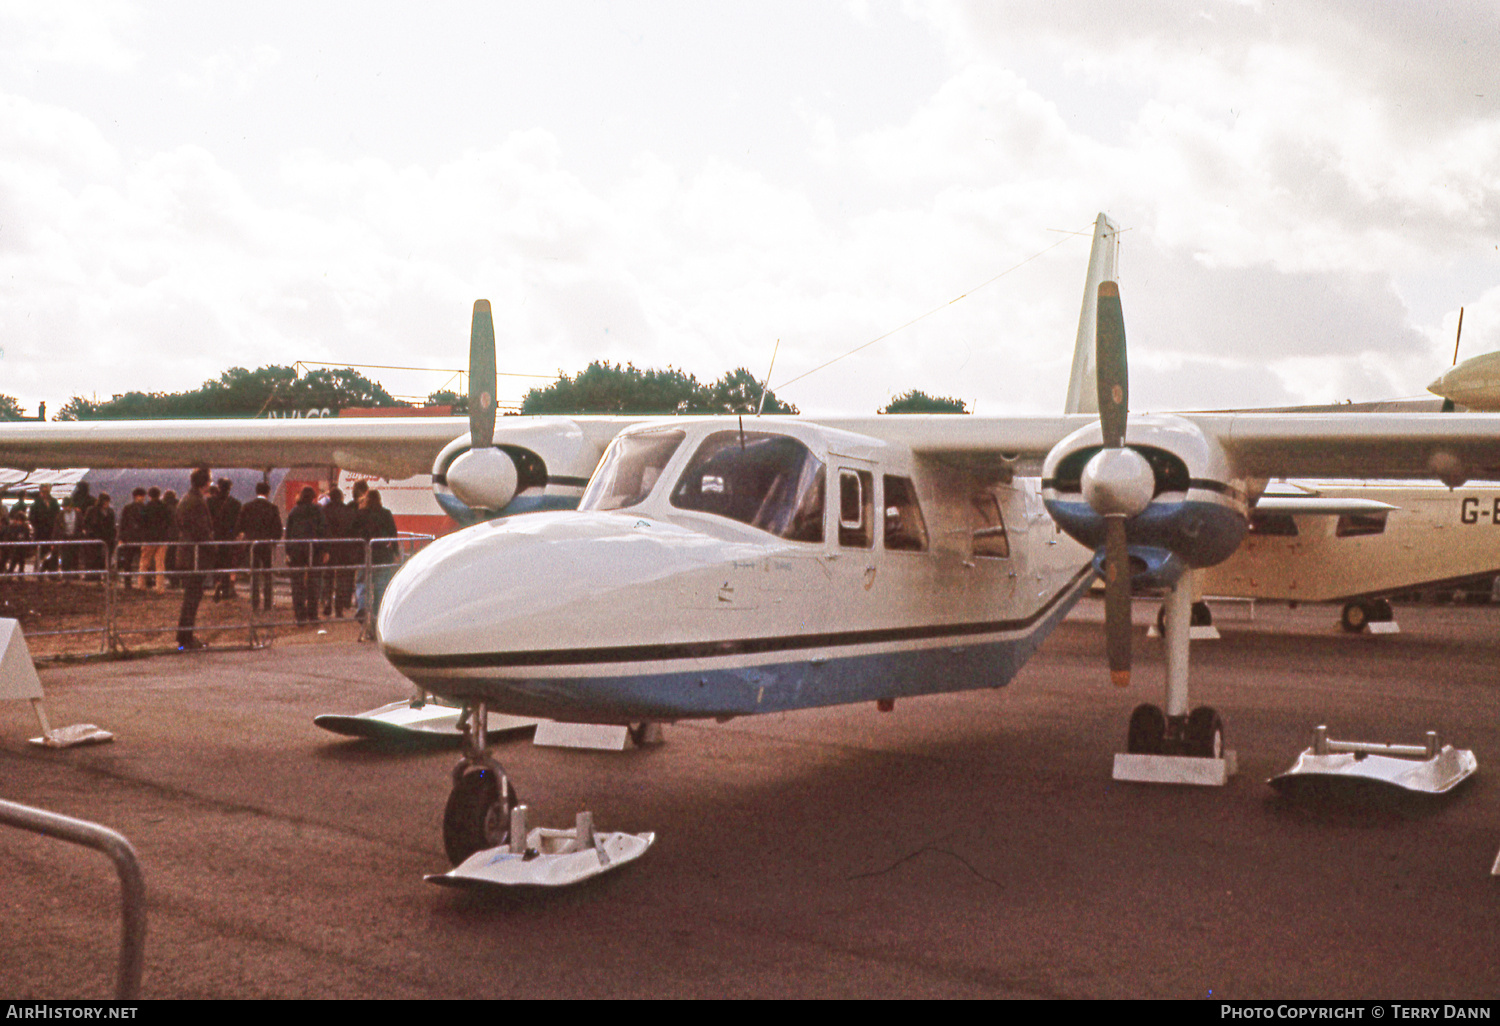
(532, 581)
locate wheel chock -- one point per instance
(1175, 769)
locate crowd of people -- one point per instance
(157, 542)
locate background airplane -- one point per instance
(1360, 542)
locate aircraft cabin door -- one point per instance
(854, 571)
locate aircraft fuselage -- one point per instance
(792, 566)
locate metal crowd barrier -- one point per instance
(132, 883)
(77, 560)
(116, 570)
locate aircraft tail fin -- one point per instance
(1083, 394)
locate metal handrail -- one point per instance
(132, 883)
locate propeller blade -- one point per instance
(1117, 600)
(482, 377)
(1109, 365)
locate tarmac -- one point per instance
(964, 845)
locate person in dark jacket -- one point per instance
(193, 526)
(375, 522)
(99, 525)
(132, 533)
(343, 556)
(305, 531)
(16, 531)
(224, 510)
(260, 525)
(43, 516)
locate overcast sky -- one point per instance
(1311, 191)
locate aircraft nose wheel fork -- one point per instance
(478, 812)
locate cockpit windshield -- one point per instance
(630, 469)
(771, 482)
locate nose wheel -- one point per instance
(478, 812)
(1153, 732)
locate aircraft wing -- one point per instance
(1452, 447)
(1265, 445)
(993, 445)
(393, 447)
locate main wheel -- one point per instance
(1202, 616)
(1205, 733)
(476, 818)
(1148, 731)
(1355, 616)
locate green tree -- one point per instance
(603, 387)
(448, 397)
(241, 393)
(10, 409)
(608, 388)
(917, 401)
(739, 392)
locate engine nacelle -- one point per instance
(1198, 509)
(483, 479)
(475, 485)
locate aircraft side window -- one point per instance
(905, 530)
(1273, 524)
(856, 508)
(989, 530)
(1352, 525)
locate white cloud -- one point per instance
(229, 72)
(77, 33)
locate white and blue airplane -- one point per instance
(722, 567)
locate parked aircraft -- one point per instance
(721, 568)
(1360, 542)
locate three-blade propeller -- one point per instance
(1114, 386)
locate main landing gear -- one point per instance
(478, 811)
(1359, 615)
(1202, 616)
(1153, 733)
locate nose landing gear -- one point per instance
(478, 812)
(1174, 745)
